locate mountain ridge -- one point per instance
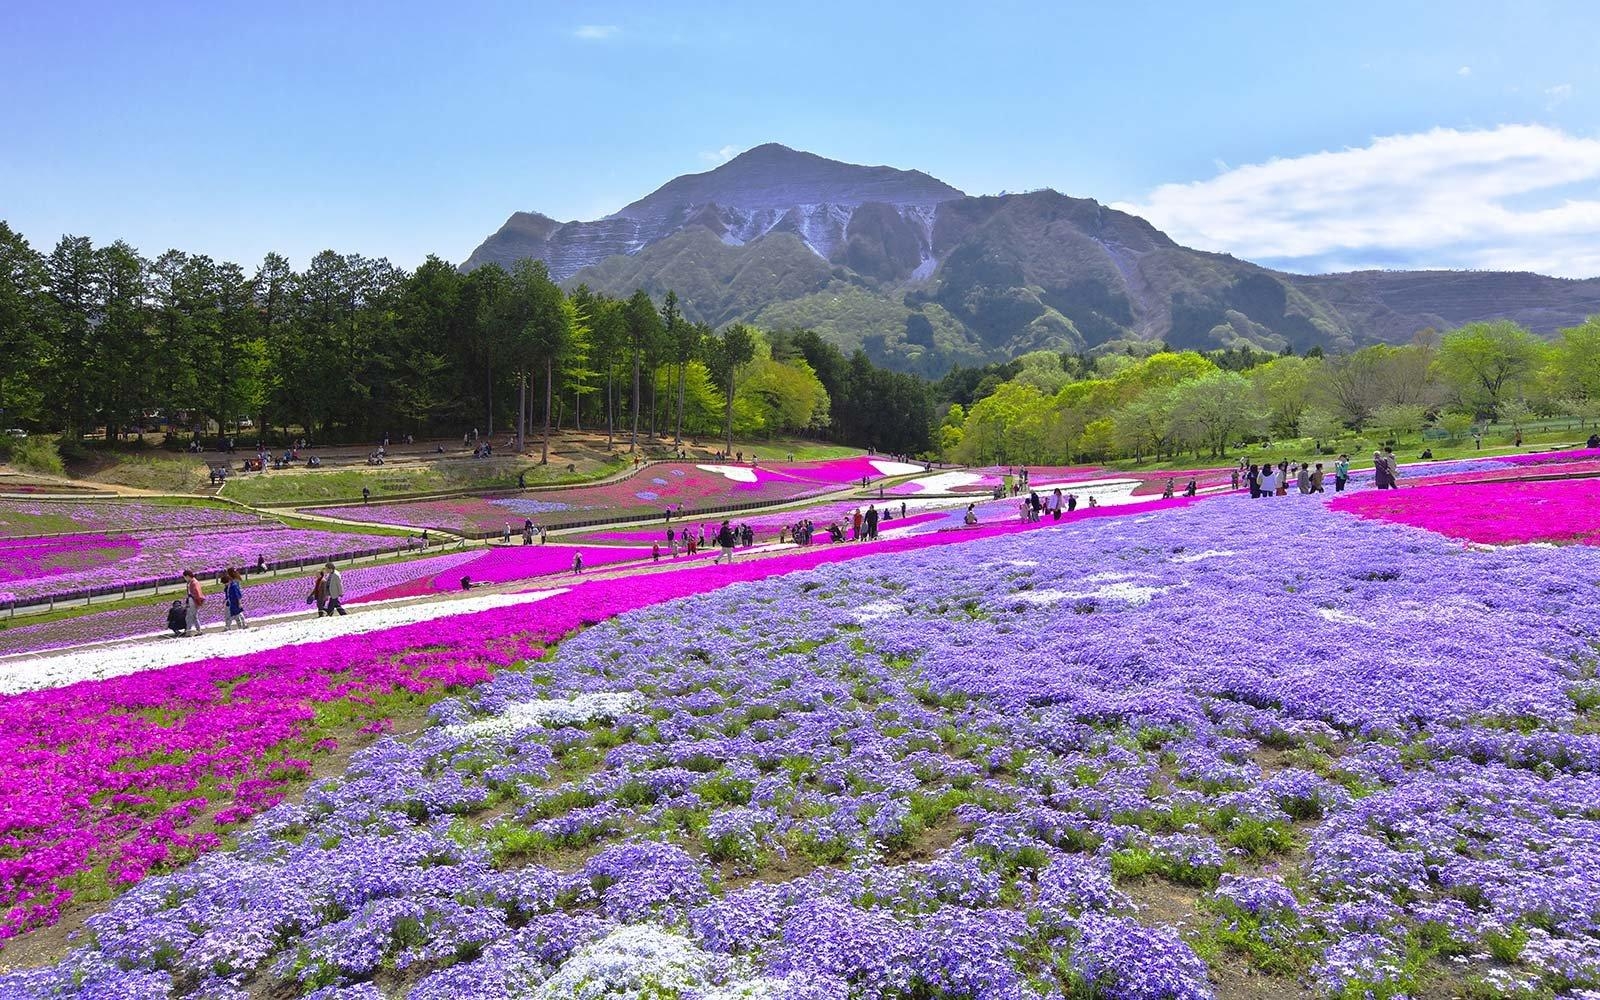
(923, 276)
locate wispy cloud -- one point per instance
(722, 155)
(1464, 71)
(1557, 95)
(1524, 197)
(595, 32)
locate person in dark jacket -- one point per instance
(725, 542)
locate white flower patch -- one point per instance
(638, 962)
(874, 610)
(1128, 593)
(736, 473)
(944, 482)
(158, 650)
(1343, 618)
(1189, 557)
(895, 468)
(525, 715)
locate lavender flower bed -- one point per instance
(1370, 757)
(35, 567)
(48, 517)
(275, 597)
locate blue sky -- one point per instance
(1308, 135)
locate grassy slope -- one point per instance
(1407, 450)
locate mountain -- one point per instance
(923, 276)
(765, 190)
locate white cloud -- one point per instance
(722, 155)
(1464, 71)
(1523, 197)
(595, 32)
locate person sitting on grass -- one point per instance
(466, 583)
(971, 517)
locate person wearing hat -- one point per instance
(335, 590)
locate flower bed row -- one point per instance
(957, 772)
(45, 517)
(34, 567)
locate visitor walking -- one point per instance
(672, 542)
(872, 522)
(319, 593)
(1055, 504)
(193, 598)
(1269, 480)
(1316, 479)
(234, 597)
(1341, 473)
(725, 541)
(1303, 478)
(1380, 472)
(335, 590)
(577, 564)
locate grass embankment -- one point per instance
(1407, 449)
(311, 486)
(779, 449)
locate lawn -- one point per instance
(308, 486)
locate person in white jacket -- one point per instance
(335, 590)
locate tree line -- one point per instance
(354, 348)
(1049, 408)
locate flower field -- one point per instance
(648, 492)
(1132, 755)
(46, 517)
(34, 567)
(1496, 513)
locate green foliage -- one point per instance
(36, 454)
(1485, 365)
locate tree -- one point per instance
(1144, 424)
(1455, 423)
(1576, 361)
(23, 331)
(684, 339)
(70, 278)
(539, 321)
(736, 346)
(122, 348)
(1319, 425)
(1485, 364)
(1213, 408)
(1284, 389)
(644, 330)
(1398, 420)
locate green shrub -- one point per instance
(37, 454)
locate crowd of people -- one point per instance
(1268, 480)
